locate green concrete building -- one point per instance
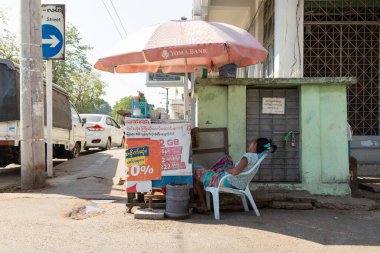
(309, 39)
(305, 117)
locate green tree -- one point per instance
(75, 74)
(76, 62)
(87, 90)
(9, 49)
(123, 104)
(102, 107)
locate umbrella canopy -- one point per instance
(180, 46)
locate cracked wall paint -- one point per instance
(212, 106)
(288, 38)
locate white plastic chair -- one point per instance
(242, 193)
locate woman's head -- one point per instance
(262, 144)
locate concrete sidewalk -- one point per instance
(96, 175)
(9, 177)
(93, 176)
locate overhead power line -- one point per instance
(254, 17)
(117, 14)
(113, 21)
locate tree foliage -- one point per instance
(102, 107)
(75, 75)
(9, 49)
(86, 91)
(123, 104)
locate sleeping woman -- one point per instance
(204, 177)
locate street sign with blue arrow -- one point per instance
(53, 31)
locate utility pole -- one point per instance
(31, 97)
(166, 99)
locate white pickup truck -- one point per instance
(68, 133)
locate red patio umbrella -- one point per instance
(180, 46)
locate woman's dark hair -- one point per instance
(264, 144)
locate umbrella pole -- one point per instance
(186, 91)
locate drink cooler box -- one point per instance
(143, 106)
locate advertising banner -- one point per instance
(156, 154)
(174, 142)
(143, 159)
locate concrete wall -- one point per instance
(237, 120)
(288, 38)
(225, 106)
(324, 151)
(324, 154)
(212, 105)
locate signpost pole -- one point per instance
(49, 118)
(32, 99)
(53, 48)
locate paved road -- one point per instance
(55, 220)
(39, 223)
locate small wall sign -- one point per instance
(273, 106)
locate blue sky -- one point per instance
(97, 29)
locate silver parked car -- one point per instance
(102, 131)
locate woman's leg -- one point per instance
(209, 177)
(201, 198)
(198, 171)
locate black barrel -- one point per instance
(177, 201)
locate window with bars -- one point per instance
(341, 38)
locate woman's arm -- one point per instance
(239, 167)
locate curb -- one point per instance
(301, 200)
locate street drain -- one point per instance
(85, 211)
(95, 178)
(93, 209)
